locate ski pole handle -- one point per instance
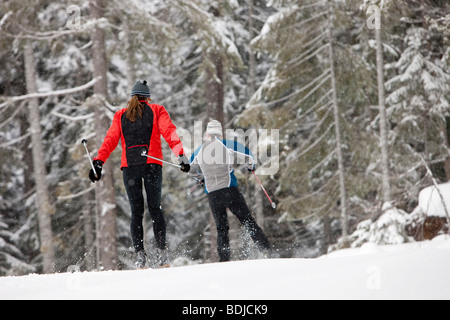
(84, 142)
(274, 205)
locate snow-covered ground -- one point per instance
(418, 270)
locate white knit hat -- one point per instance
(214, 128)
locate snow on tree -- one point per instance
(12, 259)
(418, 107)
(269, 65)
(420, 89)
(389, 228)
(299, 96)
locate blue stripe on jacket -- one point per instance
(230, 145)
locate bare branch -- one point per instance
(10, 100)
(66, 117)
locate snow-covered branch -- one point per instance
(66, 117)
(76, 195)
(63, 92)
(316, 142)
(13, 115)
(54, 34)
(325, 76)
(4, 18)
(7, 144)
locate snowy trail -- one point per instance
(408, 271)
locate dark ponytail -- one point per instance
(135, 108)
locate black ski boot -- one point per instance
(141, 258)
(162, 259)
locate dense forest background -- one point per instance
(358, 92)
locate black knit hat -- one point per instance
(141, 88)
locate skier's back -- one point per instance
(213, 162)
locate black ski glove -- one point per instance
(184, 162)
(98, 168)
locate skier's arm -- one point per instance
(196, 171)
(111, 140)
(169, 132)
(244, 155)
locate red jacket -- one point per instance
(145, 132)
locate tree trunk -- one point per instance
(252, 63)
(105, 197)
(215, 89)
(214, 92)
(131, 70)
(214, 110)
(446, 132)
(253, 193)
(383, 120)
(44, 207)
(343, 203)
(326, 234)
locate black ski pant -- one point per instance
(149, 175)
(232, 199)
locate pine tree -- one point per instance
(418, 101)
(12, 260)
(298, 96)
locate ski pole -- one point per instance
(144, 154)
(84, 142)
(199, 182)
(274, 205)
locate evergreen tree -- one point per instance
(418, 99)
(251, 63)
(12, 260)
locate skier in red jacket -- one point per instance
(139, 127)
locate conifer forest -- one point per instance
(348, 101)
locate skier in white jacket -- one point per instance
(213, 163)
